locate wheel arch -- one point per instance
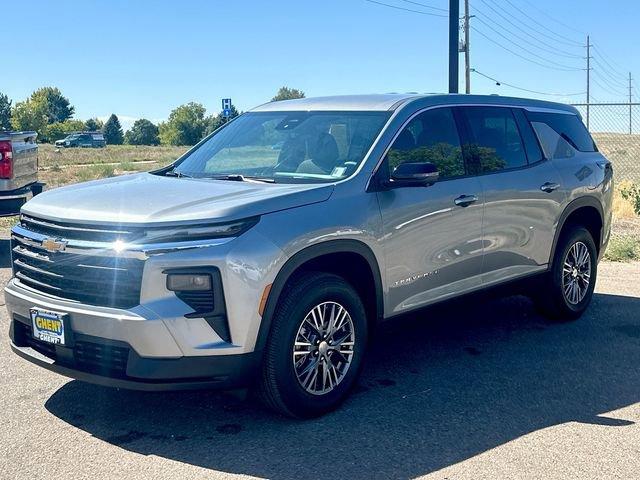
(585, 211)
(330, 257)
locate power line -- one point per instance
(503, 28)
(602, 55)
(562, 69)
(536, 37)
(610, 87)
(550, 17)
(613, 78)
(407, 9)
(424, 5)
(526, 89)
(617, 94)
(543, 25)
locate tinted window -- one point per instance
(495, 143)
(531, 144)
(568, 126)
(553, 144)
(430, 137)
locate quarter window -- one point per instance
(431, 137)
(568, 126)
(495, 143)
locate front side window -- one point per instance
(287, 147)
(495, 142)
(431, 137)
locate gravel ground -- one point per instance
(484, 389)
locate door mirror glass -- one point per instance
(414, 174)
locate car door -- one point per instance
(522, 191)
(431, 234)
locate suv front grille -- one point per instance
(111, 281)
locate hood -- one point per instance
(143, 199)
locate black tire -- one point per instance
(279, 386)
(551, 300)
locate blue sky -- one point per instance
(141, 58)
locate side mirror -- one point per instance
(414, 174)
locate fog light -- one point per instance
(188, 282)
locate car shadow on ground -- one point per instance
(439, 387)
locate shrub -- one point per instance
(632, 194)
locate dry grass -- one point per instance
(623, 151)
(51, 157)
(62, 166)
(622, 209)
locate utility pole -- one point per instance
(588, 77)
(630, 102)
(454, 46)
(467, 61)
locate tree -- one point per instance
(24, 116)
(59, 130)
(45, 106)
(93, 124)
(52, 103)
(112, 131)
(185, 126)
(286, 93)
(214, 122)
(5, 112)
(143, 132)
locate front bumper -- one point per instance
(115, 364)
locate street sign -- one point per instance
(226, 112)
(226, 106)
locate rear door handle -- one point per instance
(465, 200)
(549, 187)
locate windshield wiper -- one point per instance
(174, 173)
(234, 177)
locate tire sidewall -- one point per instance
(329, 289)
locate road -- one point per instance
(479, 389)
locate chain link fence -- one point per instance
(616, 129)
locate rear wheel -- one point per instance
(570, 285)
(316, 346)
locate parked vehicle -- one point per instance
(82, 139)
(244, 264)
(18, 170)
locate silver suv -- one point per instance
(267, 254)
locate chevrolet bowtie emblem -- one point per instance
(53, 245)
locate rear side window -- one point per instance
(568, 126)
(495, 143)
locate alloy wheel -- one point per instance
(576, 273)
(324, 348)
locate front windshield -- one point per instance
(286, 147)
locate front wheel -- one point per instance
(572, 278)
(316, 346)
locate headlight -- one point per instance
(197, 232)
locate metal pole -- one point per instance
(467, 48)
(588, 77)
(630, 102)
(454, 27)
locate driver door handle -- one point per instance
(465, 200)
(549, 187)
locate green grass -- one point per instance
(623, 248)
